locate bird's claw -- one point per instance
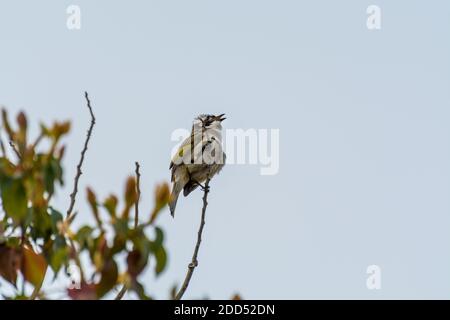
(203, 187)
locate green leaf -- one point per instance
(119, 243)
(14, 199)
(159, 237)
(56, 217)
(161, 260)
(42, 224)
(109, 274)
(84, 237)
(58, 258)
(140, 291)
(52, 172)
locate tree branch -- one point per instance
(124, 289)
(73, 195)
(138, 191)
(194, 262)
(13, 146)
(121, 293)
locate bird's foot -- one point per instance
(203, 187)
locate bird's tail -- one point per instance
(174, 198)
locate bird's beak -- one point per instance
(221, 117)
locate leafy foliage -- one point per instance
(35, 237)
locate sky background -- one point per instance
(364, 132)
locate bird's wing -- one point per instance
(187, 153)
(181, 152)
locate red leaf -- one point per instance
(85, 292)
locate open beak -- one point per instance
(221, 117)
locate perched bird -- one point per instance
(200, 156)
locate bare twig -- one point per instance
(38, 140)
(73, 195)
(13, 146)
(194, 262)
(121, 293)
(35, 293)
(138, 191)
(136, 219)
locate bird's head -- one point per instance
(209, 121)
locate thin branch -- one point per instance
(38, 140)
(35, 293)
(121, 293)
(136, 219)
(73, 195)
(138, 191)
(194, 262)
(13, 146)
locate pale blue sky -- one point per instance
(363, 117)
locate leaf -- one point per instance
(161, 260)
(14, 199)
(22, 121)
(162, 195)
(34, 267)
(57, 131)
(119, 243)
(6, 125)
(236, 296)
(2, 231)
(130, 191)
(56, 217)
(60, 129)
(135, 263)
(42, 224)
(140, 291)
(10, 262)
(92, 199)
(84, 238)
(21, 134)
(52, 172)
(159, 237)
(111, 205)
(162, 198)
(173, 292)
(86, 292)
(109, 274)
(58, 258)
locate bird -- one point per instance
(199, 157)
